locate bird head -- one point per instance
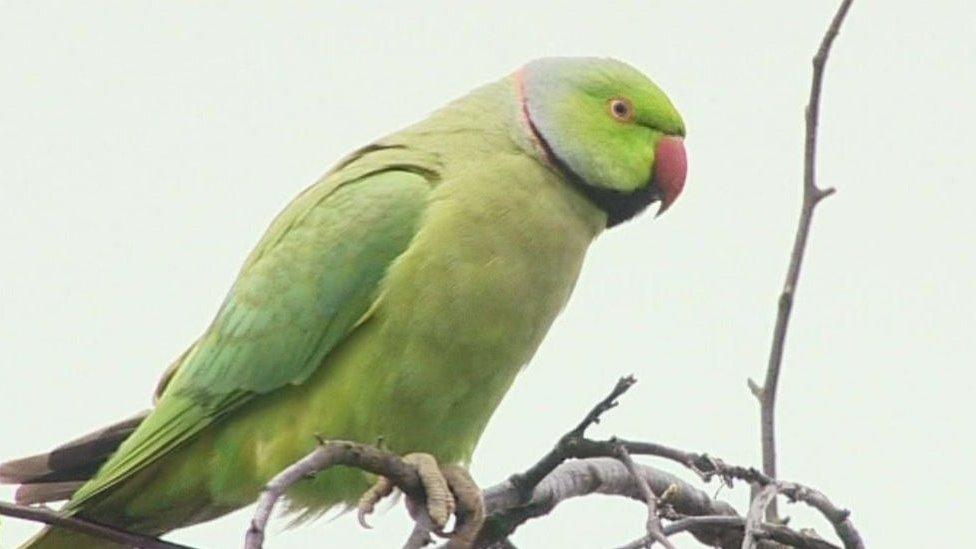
(611, 132)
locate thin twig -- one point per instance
(774, 532)
(754, 520)
(610, 402)
(565, 447)
(653, 525)
(707, 467)
(101, 531)
(812, 195)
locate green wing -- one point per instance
(310, 281)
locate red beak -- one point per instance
(670, 168)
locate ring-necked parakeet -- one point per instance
(396, 298)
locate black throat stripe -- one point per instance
(619, 206)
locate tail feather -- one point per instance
(44, 492)
(56, 475)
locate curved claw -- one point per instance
(367, 503)
(450, 491)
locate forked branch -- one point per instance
(812, 195)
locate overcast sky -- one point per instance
(144, 147)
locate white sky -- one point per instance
(145, 146)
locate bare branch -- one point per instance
(812, 195)
(329, 454)
(707, 467)
(101, 531)
(507, 511)
(565, 448)
(839, 518)
(653, 526)
(757, 510)
(774, 532)
(510, 495)
(420, 537)
(623, 385)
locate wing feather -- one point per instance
(307, 285)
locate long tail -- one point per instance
(56, 475)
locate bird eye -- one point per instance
(622, 109)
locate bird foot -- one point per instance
(450, 492)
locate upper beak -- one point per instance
(670, 169)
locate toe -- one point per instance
(440, 502)
(367, 503)
(470, 505)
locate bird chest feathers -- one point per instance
(469, 302)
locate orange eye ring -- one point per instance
(622, 109)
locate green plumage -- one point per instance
(398, 297)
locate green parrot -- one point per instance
(396, 298)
